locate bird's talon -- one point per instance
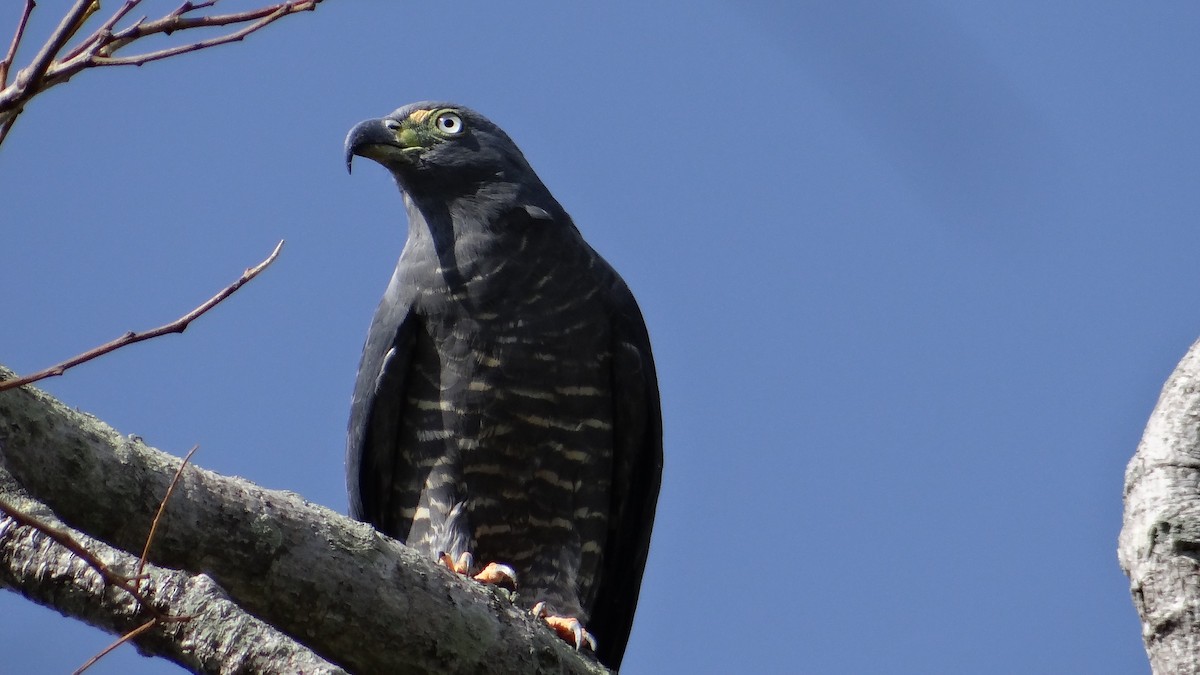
(461, 566)
(567, 627)
(577, 634)
(498, 575)
(493, 573)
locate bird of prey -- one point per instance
(506, 408)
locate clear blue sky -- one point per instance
(914, 277)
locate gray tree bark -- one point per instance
(221, 637)
(275, 583)
(1159, 546)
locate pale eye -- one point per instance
(449, 123)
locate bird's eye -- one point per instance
(450, 124)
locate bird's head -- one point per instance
(439, 146)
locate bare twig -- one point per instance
(65, 541)
(6, 124)
(120, 641)
(67, 28)
(139, 59)
(162, 507)
(104, 29)
(107, 573)
(53, 66)
(176, 21)
(16, 41)
(141, 566)
(130, 584)
(177, 326)
(44, 572)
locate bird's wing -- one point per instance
(637, 467)
(376, 408)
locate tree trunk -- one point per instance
(1159, 546)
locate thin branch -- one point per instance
(221, 637)
(141, 566)
(16, 41)
(104, 29)
(119, 641)
(177, 326)
(107, 573)
(138, 575)
(52, 66)
(6, 124)
(103, 43)
(67, 28)
(176, 21)
(235, 36)
(190, 6)
(162, 506)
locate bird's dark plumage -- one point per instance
(506, 404)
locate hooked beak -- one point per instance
(383, 140)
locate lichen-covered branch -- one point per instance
(358, 599)
(1159, 547)
(218, 636)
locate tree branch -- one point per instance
(220, 637)
(162, 507)
(111, 577)
(173, 23)
(51, 67)
(115, 643)
(70, 24)
(1159, 545)
(352, 595)
(16, 42)
(177, 326)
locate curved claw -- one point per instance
(493, 573)
(567, 627)
(462, 565)
(498, 575)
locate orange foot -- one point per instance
(568, 628)
(494, 573)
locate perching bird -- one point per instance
(506, 406)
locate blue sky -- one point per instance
(914, 277)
